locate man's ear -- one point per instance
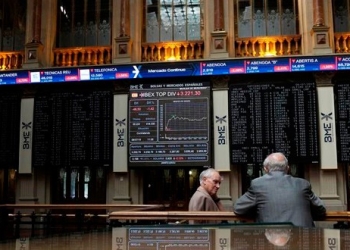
(266, 170)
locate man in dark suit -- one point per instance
(278, 197)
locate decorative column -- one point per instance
(123, 42)
(318, 13)
(219, 35)
(27, 177)
(320, 31)
(326, 174)
(120, 177)
(221, 137)
(218, 15)
(125, 18)
(37, 21)
(33, 49)
(327, 135)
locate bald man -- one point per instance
(278, 197)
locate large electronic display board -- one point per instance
(10, 107)
(342, 92)
(169, 124)
(270, 117)
(73, 128)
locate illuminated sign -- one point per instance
(176, 69)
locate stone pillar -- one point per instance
(318, 13)
(124, 18)
(26, 189)
(218, 15)
(123, 41)
(327, 174)
(37, 21)
(221, 123)
(120, 182)
(121, 188)
(320, 31)
(48, 27)
(27, 178)
(221, 137)
(327, 126)
(219, 35)
(33, 49)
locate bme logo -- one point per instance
(26, 135)
(221, 130)
(120, 132)
(327, 127)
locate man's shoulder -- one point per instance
(200, 193)
(262, 180)
(295, 178)
(279, 176)
(300, 181)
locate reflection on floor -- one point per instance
(187, 237)
(92, 240)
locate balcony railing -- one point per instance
(268, 46)
(342, 42)
(28, 220)
(94, 55)
(11, 59)
(337, 216)
(172, 51)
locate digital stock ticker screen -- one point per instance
(271, 117)
(169, 124)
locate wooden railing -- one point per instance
(204, 215)
(342, 42)
(268, 46)
(93, 55)
(11, 60)
(172, 51)
(24, 220)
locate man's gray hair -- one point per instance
(206, 173)
(276, 162)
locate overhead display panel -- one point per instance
(177, 69)
(169, 124)
(273, 117)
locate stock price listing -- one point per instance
(169, 124)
